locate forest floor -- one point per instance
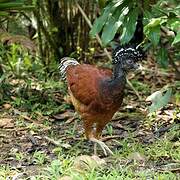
(42, 138)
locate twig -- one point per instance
(107, 138)
(57, 143)
(177, 170)
(154, 71)
(32, 121)
(69, 121)
(105, 49)
(132, 87)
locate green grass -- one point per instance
(132, 161)
(120, 166)
(141, 87)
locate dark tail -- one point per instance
(65, 62)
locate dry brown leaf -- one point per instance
(6, 123)
(86, 163)
(136, 156)
(65, 115)
(19, 39)
(6, 106)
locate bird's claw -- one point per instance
(104, 147)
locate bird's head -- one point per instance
(127, 57)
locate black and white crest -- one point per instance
(125, 52)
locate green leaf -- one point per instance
(154, 22)
(4, 6)
(111, 28)
(2, 13)
(152, 29)
(19, 5)
(176, 39)
(162, 57)
(106, 15)
(129, 25)
(153, 34)
(161, 101)
(99, 22)
(174, 23)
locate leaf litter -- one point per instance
(22, 135)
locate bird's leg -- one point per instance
(105, 148)
(88, 126)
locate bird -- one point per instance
(96, 92)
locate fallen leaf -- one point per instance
(154, 97)
(65, 115)
(6, 123)
(136, 156)
(86, 163)
(6, 106)
(159, 100)
(58, 143)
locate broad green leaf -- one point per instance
(174, 23)
(18, 5)
(154, 22)
(107, 13)
(162, 57)
(176, 39)
(99, 22)
(111, 28)
(129, 25)
(10, 5)
(161, 101)
(153, 34)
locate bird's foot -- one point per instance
(104, 147)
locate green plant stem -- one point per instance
(11, 67)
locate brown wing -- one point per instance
(83, 81)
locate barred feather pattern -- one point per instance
(65, 62)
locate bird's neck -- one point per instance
(118, 74)
(118, 80)
(112, 90)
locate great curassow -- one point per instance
(97, 93)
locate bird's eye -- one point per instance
(129, 61)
